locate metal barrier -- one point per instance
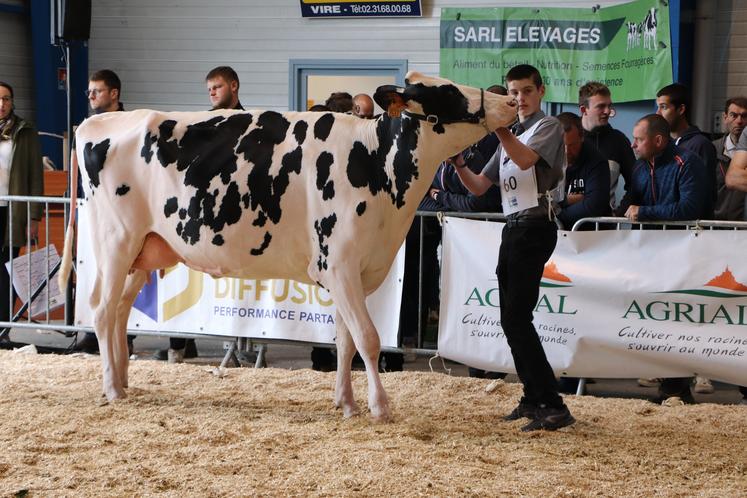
(22, 318)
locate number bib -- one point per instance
(518, 186)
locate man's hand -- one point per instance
(632, 213)
(572, 199)
(34, 230)
(434, 193)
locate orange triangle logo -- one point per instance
(726, 281)
(551, 273)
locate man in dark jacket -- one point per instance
(595, 105)
(730, 202)
(668, 183)
(673, 104)
(587, 175)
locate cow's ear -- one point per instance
(391, 99)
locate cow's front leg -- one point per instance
(344, 397)
(350, 300)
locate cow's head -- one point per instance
(441, 102)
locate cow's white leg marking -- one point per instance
(350, 301)
(133, 284)
(344, 397)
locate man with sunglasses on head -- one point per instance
(595, 106)
(104, 92)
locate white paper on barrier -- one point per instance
(192, 302)
(615, 304)
(41, 262)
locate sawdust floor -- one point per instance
(184, 431)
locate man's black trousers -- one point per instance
(523, 254)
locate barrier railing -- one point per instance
(40, 277)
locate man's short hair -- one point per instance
(570, 120)
(497, 89)
(318, 108)
(655, 125)
(340, 102)
(678, 95)
(225, 72)
(110, 79)
(739, 101)
(524, 71)
(590, 89)
(7, 85)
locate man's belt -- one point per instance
(530, 223)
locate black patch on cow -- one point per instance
(245, 200)
(170, 207)
(230, 208)
(323, 229)
(122, 189)
(218, 240)
(367, 169)
(361, 208)
(299, 131)
(168, 147)
(323, 163)
(323, 126)
(179, 228)
(94, 157)
(319, 284)
(258, 145)
(205, 153)
(261, 220)
(261, 249)
(146, 152)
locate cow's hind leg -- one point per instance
(351, 304)
(133, 284)
(344, 397)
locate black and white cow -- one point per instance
(315, 197)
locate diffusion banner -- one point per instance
(625, 46)
(616, 304)
(193, 302)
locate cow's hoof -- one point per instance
(115, 395)
(381, 415)
(350, 410)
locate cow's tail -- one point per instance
(66, 264)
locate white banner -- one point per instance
(615, 304)
(193, 302)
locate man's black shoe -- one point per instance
(522, 410)
(161, 355)
(190, 349)
(87, 344)
(549, 419)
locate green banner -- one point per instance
(625, 46)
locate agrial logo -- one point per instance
(709, 309)
(549, 301)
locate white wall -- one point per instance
(162, 50)
(729, 52)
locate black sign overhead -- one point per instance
(353, 8)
